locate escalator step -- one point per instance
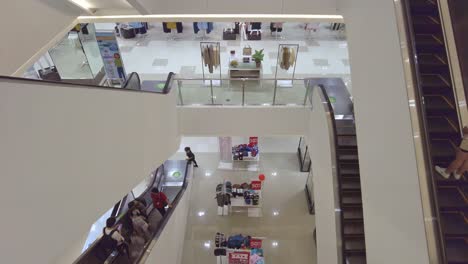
(352, 212)
(430, 63)
(457, 251)
(429, 43)
(451, 198)
(438, 104)
(441, 126)
(434, 81)
(454, 225)
(427, 7)
(347, 142)
(354, 245)
(346, 131)
(356, 260)
(351, 198)
(349, 170)
(353, 229)
(442, 149)
(351, 184)
(426, 24)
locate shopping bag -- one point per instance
(247, 51)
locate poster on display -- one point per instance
(255, 243)
(256, 185)
(110, 53)
(253, 140)
(239, 257)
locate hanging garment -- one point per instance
(195, 27)
(202, 25)
(179, 27)
(285, 63)
(256, 25)
(171, 25)
(210, 27)
(236, 27)
(276, 27)
(165, 28)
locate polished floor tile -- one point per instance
(286, 225)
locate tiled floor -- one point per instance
(286, 224)
(185, 51)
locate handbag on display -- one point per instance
(254, 35)
(229, 34)
(247, 51)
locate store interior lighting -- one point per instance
(207, 174)
(274, 173)
(207, 244)
(275, 213)
(83, 4)
(274, 244)
(201, 213)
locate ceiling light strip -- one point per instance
(211, 17)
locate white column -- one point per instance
(393, 216)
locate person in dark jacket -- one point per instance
(191, 156)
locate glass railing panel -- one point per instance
(229, 92)
(259, 92)
(70, 59)
(290, 92)
(195, 92)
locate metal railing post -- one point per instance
(179, 87)
(243, 91)
(211, 87)
(307, 93)
(274, 93)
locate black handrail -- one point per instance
(329, 107)
(168, 215)
(166, 90)
(120, 216)
(131, 79)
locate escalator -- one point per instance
(352, 219)
(170, 178)
(340, 107)
(438, 104)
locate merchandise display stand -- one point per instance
(252, 210)
(238, 249)
(211, 82)
(293, 49)
(223, 210)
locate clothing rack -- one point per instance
(214, 66)
(288, 82)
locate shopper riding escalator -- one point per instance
(441, 123)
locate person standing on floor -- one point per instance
(191, 156)
(159, 200)
(460, 165)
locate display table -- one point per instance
(251, 254)
(245, 70)
(252, 210)
(248, 158)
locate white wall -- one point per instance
(394, 224)
(240, 7)
(67, 155)
(170, 244)
(318, 139)
(242, 121)
(27, 26)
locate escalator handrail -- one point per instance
(166, 90)
(166, 218)
(327, 105)
(132, 76)
(120, 216)
(423, 123)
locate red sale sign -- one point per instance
(255, 243)
(253, 140)
(256, 185)
(239, 257)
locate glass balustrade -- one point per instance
(241, 91)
